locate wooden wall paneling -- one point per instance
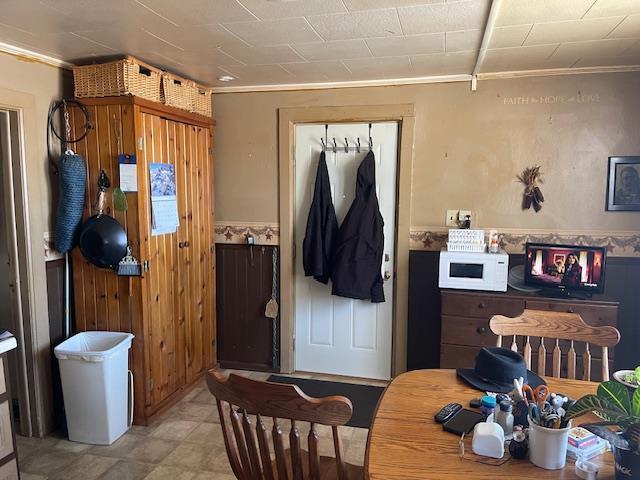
(182, 285)
(142, 295)
(77, 260)
(190, 228)
(209, 294)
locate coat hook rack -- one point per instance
(346, 145)
(335, 145)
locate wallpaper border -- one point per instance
(618, 243)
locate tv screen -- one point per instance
(569, 267)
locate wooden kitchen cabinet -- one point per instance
(171, 308)
(465, 324)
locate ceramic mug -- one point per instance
(548, 446)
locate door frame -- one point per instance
(32, 329)
(288, 118)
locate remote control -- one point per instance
(447, 412)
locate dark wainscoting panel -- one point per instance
(244, 277)
(55, 302)
(622, 284)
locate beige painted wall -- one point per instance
(469, 146)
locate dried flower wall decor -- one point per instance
(530, 177)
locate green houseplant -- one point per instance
(619, 407)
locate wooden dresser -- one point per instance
(465, 324)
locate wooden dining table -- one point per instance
(406, 443)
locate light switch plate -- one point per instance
(452, 218)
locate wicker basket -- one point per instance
(177, 92)
(113, 79)
(202, 101)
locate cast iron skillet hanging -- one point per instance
(103, 241)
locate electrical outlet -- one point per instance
(462, 216)
(452, 218)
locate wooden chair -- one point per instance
(249, 460)
(558, 326)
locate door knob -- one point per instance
(181, 245)
(186, 244)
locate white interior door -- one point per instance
(338, 335)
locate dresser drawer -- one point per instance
(480, 306)
(9, 471)
(596, 315)
(457, 356)
(467, 331)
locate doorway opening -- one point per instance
(289, 118)
(337, 335)
(14, 269)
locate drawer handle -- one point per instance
(570, 310)
(481, 330)
(482, 305)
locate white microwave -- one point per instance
(474, 271)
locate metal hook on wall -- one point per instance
(346, 145)
(324, 145)
(358, 147)
(335, 145)
(370, 139)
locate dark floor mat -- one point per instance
(364, 398)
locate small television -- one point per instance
(567, 269)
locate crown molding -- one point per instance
(34, 56)
(557, 71)
(350, 84)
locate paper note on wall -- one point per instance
(128, 173)
(164, 202)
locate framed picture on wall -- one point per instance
(623, 187)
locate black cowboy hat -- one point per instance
(495, 370)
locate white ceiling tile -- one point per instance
(31, 16)
(385, 67)
(571, 30)
(596, 50)
(326, 71)
(463, 40)
(522, 58)
(340, 49)
(519, 12)
(354, 5)
(411, 45)
(262, 55)
(511, 36)
(197, 12)
(628, 28)
(369, 23)
(443, 63)
(274, 32)
(441, 17)
(299, 8)
(606, 8)
(260, 74)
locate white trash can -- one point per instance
(97, 386)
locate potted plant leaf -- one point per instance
(619, 407)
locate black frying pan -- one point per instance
(102, 240)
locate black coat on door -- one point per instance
(358, 252)
(322, 228)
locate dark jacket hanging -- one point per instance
(322, 228)
(358, 252)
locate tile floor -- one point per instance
(184, 444)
